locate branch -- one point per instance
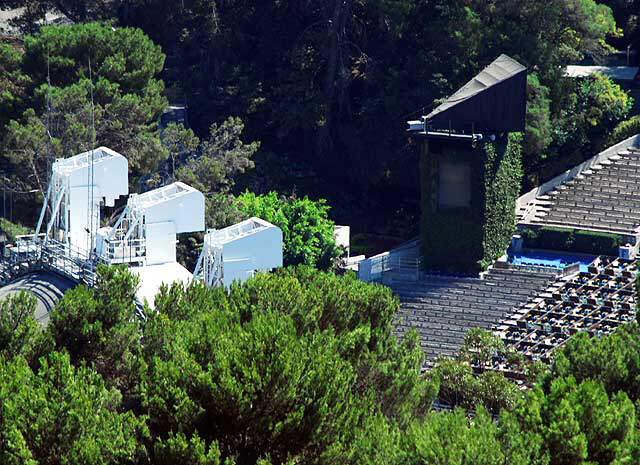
(59, 5)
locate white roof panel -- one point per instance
(82, 160)
(244, 228)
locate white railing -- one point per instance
(375, 268)
(123, 251)
(29, 254)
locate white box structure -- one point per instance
(144, 236)
(146, 231)
(237, 252)
(78, 187)
(342, 236)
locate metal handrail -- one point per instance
(115, 251)
(390, 262)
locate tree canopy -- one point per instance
(296, 366)
(308, 233)
(66, 78)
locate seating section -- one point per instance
(604, 198)
(442, 309)
(596, 301)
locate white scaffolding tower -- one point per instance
(145, 233)
(78, 187)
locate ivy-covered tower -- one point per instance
(471, 169)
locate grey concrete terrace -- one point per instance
(602, 194)
(442, 309)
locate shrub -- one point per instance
(569, 240)
(625, 129)
(13, 229)
(307, 231)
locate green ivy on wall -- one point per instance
(470, 239)
(502, 181)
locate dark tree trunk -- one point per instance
(336, 34)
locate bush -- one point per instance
(307, 231)
(569, 240)
(596, 242)
(625, 129)
(13, 229)
(555, 238)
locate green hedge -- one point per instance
(569, 240)
(13, 229)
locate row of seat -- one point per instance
(606, 197)
(598, 301)
(442, 309)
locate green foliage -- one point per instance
(502, 178)
(596, 243)
(13, 82)
(12, 230)
(178, 450)
(289, 364)
(602, 102)
(460, 385)
(376, 442)
(613, 360)
(539, 134)
(454, 439)
(306, 228)
(180, 142)
(127, 99)
(625, 129)
(361, 315)
(63, 415)
(220, 158)
(587, 119)
(569, 240)
(253, 396)
(20, 333)
(580, 423)
(98, 326)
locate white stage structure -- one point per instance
(78, 187)
(238, 252)
(145, 235)
(146, 231)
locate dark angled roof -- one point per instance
(494, 101)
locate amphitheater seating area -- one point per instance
(604, 198)
(443, 308)
(596, 301)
